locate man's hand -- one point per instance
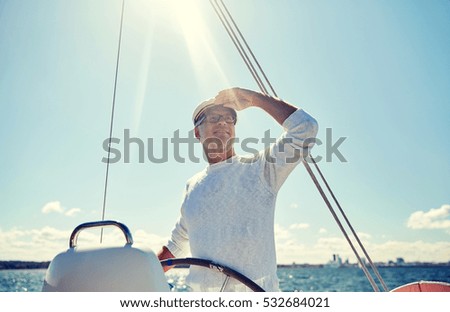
(239, 99)
(236, 98)
(164, 254)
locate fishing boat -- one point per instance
(128, 268)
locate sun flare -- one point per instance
(190, 16)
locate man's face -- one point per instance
(217, 130)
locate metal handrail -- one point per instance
(125, 230)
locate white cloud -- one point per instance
(72, 212)
(45, 243)
(334, 244)
(435, 218)
(411, 251)
(56, 207)
(364, 236)
(321, 251)
(292, 247)
(32, 245)
(151, 241)
(281, 233)
(299, 226)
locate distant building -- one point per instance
(400, 262)
(336, 262)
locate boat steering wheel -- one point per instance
(228, 272)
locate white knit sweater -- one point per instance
(228, 211)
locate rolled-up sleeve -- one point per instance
(289, 149)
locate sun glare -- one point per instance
(187, 19)
(189, 14)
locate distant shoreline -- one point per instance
(29, 265)
(22, 265)
(378, 265)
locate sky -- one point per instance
(375, 74)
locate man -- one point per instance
(227, 214)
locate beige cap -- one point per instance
(202, 107)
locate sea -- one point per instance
(306, 279)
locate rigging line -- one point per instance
(327, 202)
(112, 119)
(238, 45)
(372, 265)
(321, 190)
(248, 48)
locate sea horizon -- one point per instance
(29, 265)
(305, 279)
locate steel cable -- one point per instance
(263, 89)
(112, 118)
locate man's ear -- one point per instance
(197, 133)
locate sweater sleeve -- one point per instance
(178, 243)
(294, 144)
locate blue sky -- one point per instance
(374, 72)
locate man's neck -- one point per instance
(214, 158)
